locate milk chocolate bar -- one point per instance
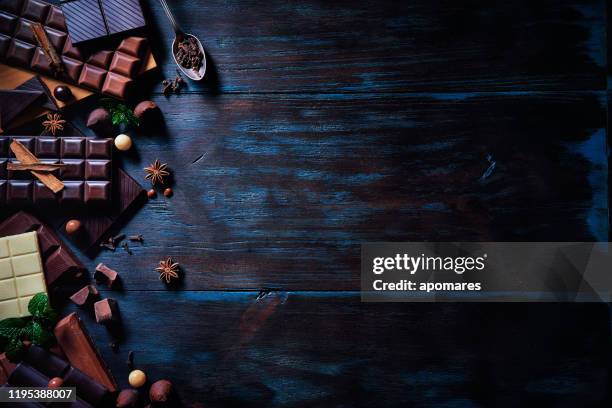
(82, 352)
(21, 274)
(110, 71)
(94, 19)
(86, 172)
(58, 260)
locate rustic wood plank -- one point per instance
(279, 191)
(365, 46)
(319, 349)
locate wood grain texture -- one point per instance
(366, 46)
(279, 191)
(320, 350)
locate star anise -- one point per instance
(53, 124)
(156, 172)
(168, 270)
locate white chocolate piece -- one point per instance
(21, 274)
(123, 142)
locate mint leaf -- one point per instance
(27, 332)
(40, 336)
(13, 349)
(38, 304)
(11, 328)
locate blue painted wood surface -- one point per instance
(326, 124)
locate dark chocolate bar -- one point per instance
(15, 102)
(35, 84)
(109, 71)
(86, 176)
(94, 19)
(39, 366)
(58, 260)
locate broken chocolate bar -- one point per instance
(103, 273)
(85, 295)
(81, 351)
(58, 259)
(106, 311)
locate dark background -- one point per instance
(325, 124)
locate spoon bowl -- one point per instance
(189, 72)
(180, 35)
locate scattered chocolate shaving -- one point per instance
(136, 238)
(188, 53)
(170, 86)
(130, 360)
(126, 246)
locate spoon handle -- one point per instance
(175, 26)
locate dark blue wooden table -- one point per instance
(325, 124)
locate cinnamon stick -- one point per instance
(27, 157)
(34, 166)
(47, 47)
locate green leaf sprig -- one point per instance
(37, 328)
(120, 113)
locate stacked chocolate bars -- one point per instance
(110, 71)
(86, 172)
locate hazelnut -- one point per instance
(100, 122)
(127, 399)
(137, 378)
(161, 391)
(168, 192)
(73, 227)
(62, 93)
(55, 382)
(146, 110)
(123, 142)
(151, 193)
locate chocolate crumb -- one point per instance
(130, 360)
(126, 246)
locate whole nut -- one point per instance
(151, 193)
(55, 382)
(127, 399)
(160, 391)
(146, 110)
(123, 142)
(73, 227)
(168, 192)
(100, 122)
(137, 378)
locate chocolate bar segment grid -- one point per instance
(95, 71)
(86, 171)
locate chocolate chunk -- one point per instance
(103, 272)
(81, 351)
(92, 76)
(87, 389)
(85, 295)
(48, 364)
(15, 102)
(106, 311)
(25, 376)
(35, 84)
(59, 262)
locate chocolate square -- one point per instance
(98, 170)
(20, 53)
(122, 15)
(24, 32)
(47, 147)
(35, 10)
(28, 142)
(19, 191)
(73, 147)
(97, 192)
(125, 64)
(4, 146)
(74, 169)
(72, 192)
(98, 148)
(84, 20)
(3, 171)
(5, 41)
(134, 46)
(40, 62)
(72, 68)
(55, 19)
(92, 77)
(11, 6)
(7, 23)
(3, 184)
(117, 85)
(19, 175)
(57, 38)
(101, 59)
(71, 51)
(42, 194)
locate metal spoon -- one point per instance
(180, 35)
